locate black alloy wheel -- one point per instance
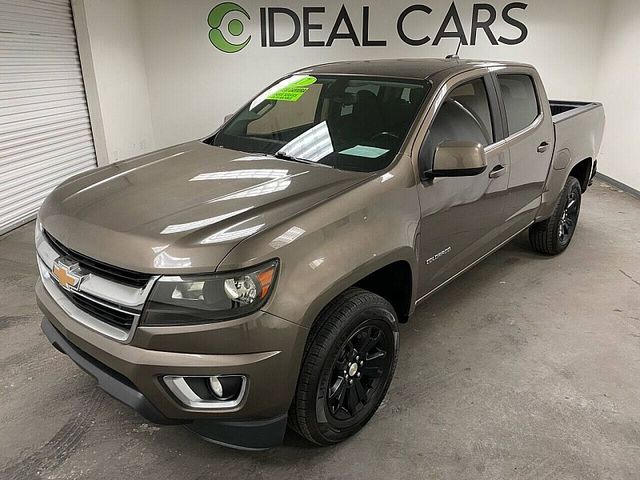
(569, 217)
(553, 235)
(361, 367)
(348, 365)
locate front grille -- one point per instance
(115, 317)
(117, 274)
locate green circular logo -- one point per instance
(235, 27)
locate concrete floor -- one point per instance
(525, 367)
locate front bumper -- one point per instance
(116, 385)
(132, 373)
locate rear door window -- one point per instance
(520, 101)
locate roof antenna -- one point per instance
(455, 56)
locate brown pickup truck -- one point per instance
(255, 279)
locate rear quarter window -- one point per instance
(520, 101)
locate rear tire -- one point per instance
(348, 365)
(553, 236)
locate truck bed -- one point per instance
(563, 109)
(578, 127)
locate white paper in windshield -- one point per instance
(365, 151)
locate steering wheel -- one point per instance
(389, 138)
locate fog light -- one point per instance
(216, 386)
(225, 391)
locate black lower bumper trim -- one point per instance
(116, 385)
(247, 435)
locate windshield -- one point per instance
(350, 123)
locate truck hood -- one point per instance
(184, 208)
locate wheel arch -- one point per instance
(582, 172)
(398, 266)
(394, 283)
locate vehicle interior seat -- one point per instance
(367, 120)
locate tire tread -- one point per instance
(323, 333)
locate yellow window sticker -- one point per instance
(291, 92)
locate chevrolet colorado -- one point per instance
(255, 278)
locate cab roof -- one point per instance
(406, 68)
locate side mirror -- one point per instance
(458, 159)
(228, 117)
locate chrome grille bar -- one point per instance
(96, 299)
(76, 313)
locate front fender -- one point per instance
(326, 250)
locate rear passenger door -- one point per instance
(530, 138)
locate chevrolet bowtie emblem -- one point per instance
(67, 272)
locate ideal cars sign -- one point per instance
(311, 26)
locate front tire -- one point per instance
(552, 236)
(348, 365)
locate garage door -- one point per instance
(45, 135)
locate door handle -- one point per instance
(497, 171)
(543, 147)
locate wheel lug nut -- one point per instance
(358, 375)
(361, 363)
(350, 381)
(357, 358)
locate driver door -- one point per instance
(462, 218)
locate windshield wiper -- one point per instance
(286, 156)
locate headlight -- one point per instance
(211, 298)
(38, 231)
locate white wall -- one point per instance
(161, 81)
(617, 86)
(192, 85)
(113, 63)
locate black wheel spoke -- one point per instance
(352, 401)
(340, 398)
(371, 340)
(372, 371)
(342, 362)
(360, 391)
(374, 364)
(376, 358)
(351, 351)
(337, 389)
(364, 337)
